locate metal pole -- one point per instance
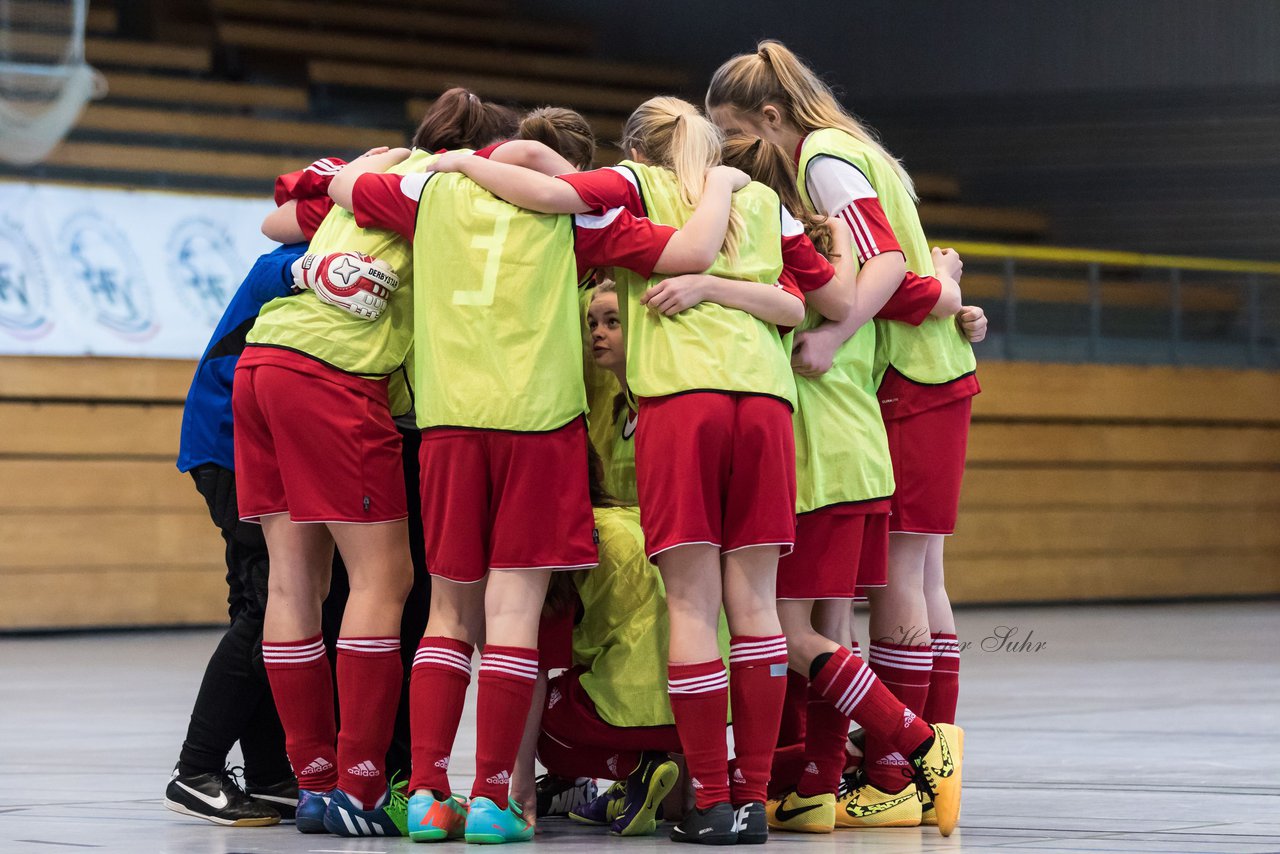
(1010, 307)
(1254, 318)
(1175, 306)
(1095, 311)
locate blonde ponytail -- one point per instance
(775, 75)
(671, 133)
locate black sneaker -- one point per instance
(717, 825)
(753, 824)
(558, 796)
(281, 797)
(215, 797)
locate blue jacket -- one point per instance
(206, 420)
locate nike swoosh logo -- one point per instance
(218, 803)
(947, 767)
(872, 809)
(629, 428)
(784, 814)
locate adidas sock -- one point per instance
(507, 677)
(370, 674)
(904, 670)
(851, 686)
(788, 765)
(302, 685)
(795, 710)
(437, 693)
(757, 688)
(700, 704)
(944, 680)
(826, 735)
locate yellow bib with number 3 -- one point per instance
(496, 337)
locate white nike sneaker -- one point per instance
(215, 797)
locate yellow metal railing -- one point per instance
(1103, 305)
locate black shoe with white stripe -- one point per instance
(753, 825)
(215, 797)
(558, 796)
(282, 797)
(717, 825)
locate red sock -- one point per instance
(507, 677)
(851, 686)
(904, 670)
(302, 686)
(795, 710)
(944, 680)
(757, 688)
(824, 748)
(437, 693)
(370, 675)
(700, 704)
(788, 764)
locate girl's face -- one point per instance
(606, 332)
(766, 124)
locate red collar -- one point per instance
(799, 146)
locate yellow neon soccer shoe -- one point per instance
(863, 805)
(928, 817)
(938, 774)
(814, 814)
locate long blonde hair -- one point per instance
(673, 134)
(775, 75)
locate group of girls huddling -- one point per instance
(779, 376)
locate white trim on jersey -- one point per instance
(791, 227)
(604, 220)
(413, 185)
(626, 173)
(324, 166)
(835, 184)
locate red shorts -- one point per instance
(717, 468)
(314, 442)
(839, 551)
(928, 451)
(497, 499)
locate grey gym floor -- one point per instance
(1134, 729)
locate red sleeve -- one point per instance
(872, 234)
(787, 282)
(309, 183)
(619, 239)
(383, 200)
(913, 300)
(606, 189)
(809, 270)
(311, 212)
(488, 150)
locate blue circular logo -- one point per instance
(203, 261)
(109, 275)
(24, 287)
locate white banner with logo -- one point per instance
(120, 272)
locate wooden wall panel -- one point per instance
(1084, 483)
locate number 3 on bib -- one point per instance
(491, 245)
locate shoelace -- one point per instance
(233, 775)
(850, 783)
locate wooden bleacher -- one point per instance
(263, 82)
(1084, 483)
